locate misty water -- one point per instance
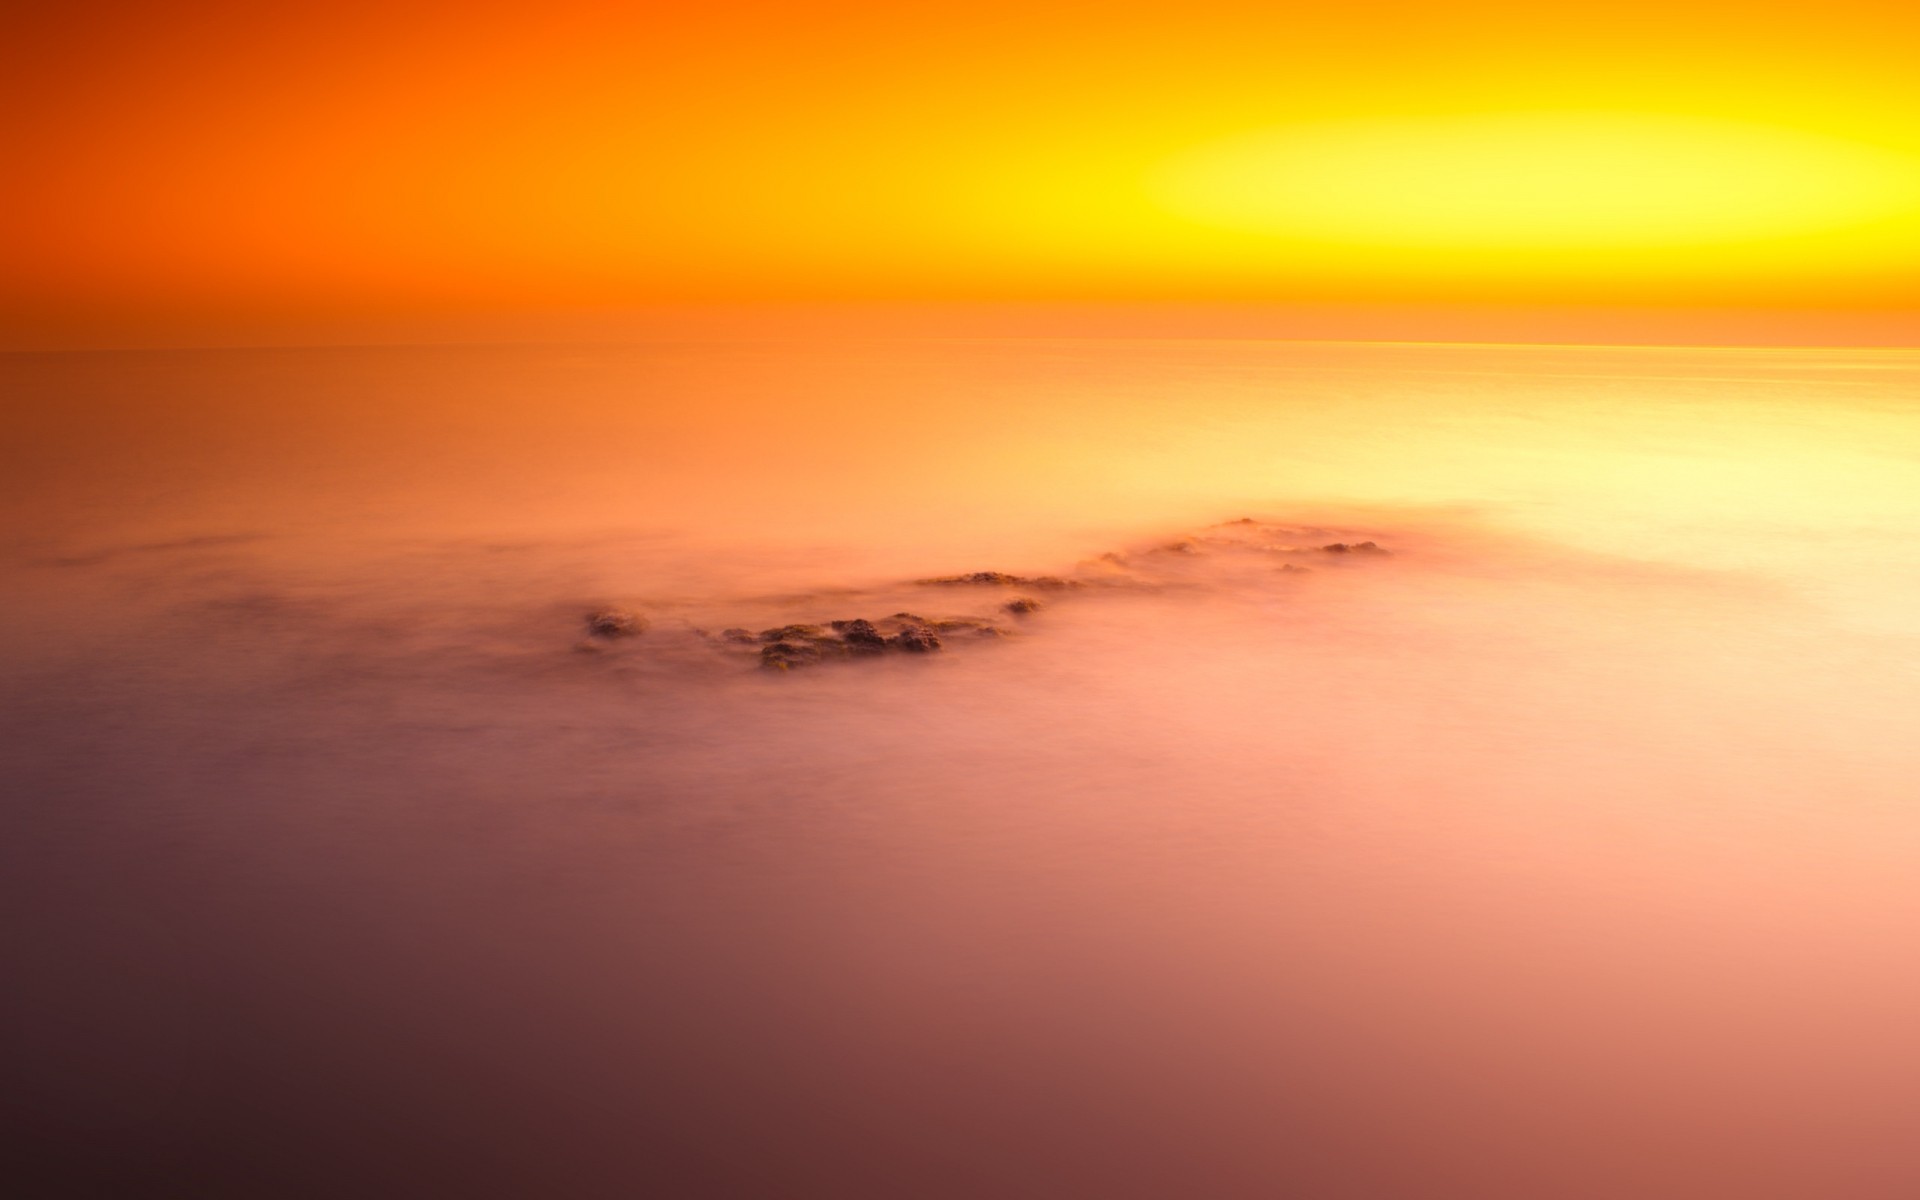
(1568, 848)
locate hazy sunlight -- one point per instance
(1548, 185)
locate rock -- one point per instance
(793, 632)
(1232, 547)
(860, 636)
(915, 639)
(615, 623)
(805, 645)
(995, 579)
(784, 656)
(978, 626)
(986, 578)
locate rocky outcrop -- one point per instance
(861, 636)
(793, 633)
(1240, 553)
(915, 639)
(996, 579)
(792, 646)
(784, 656)
(615, 623)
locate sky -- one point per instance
(207, 171)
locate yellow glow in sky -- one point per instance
(1579, 182)
(200, 168)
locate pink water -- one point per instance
(1568, 850)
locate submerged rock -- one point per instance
(995, 579)
(915, 639)
(615, 623)
(1224, 555)
(988, 578)
(791, 632)
(953, 624)
(801, 645)
(861, 636)
(784, 656)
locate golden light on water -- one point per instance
(1540, 192)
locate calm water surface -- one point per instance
(1571, 849)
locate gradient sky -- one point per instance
(197, 165)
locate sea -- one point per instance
(1387, 771)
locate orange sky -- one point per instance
(206, 169)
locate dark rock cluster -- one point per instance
(1231, 553)
(790, 646)
(615, 623)
(997, 579)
